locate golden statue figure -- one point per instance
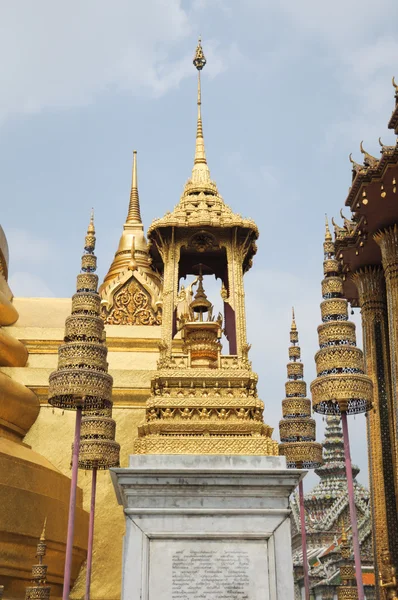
(387, 576)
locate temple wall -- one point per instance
(132, 356)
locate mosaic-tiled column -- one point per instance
(372, 298)
(388, 242)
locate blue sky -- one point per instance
(289, 90)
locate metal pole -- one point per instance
(304, 542)
(353, 512)
(91, 535)
(72, 506)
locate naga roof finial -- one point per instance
(369, 160)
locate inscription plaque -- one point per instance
(208, 570)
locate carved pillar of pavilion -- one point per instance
(372, 299)
(387, 239)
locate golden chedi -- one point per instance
(131, 290)
(39, 590)
(341, 385)
(347, 589)
(297, 429)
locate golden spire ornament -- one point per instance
(81, 380)
(39, 589)
(297, 428)
(297, 432)
(133, 233)
(200, 180)
(341, 386)
(98, 450)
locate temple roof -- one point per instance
(201, 204)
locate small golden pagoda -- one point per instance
(203, 402)
(82, 379)
(297, 429)
(341, 384)
(39, 591)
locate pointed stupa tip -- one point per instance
(395, 85)
(89, 260)
(134, 212)
(43, 533)
(294, 326)
(328, 235)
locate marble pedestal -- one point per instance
(206, 527)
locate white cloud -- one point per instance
(62, 54)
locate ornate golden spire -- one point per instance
(81, 379)
(134, 213)
(341, 385)
(297, 428)
(200, 155)
(200, 180)
(133, 229)
(39, 573)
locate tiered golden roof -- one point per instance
(341, 385)
(347, 589)
(81, 379)
(202, 402)
(200, 204)
(297, 428)
(39, 591)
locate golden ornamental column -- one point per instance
(388, 242)
(372, 298)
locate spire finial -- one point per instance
(294, 326)
(89, 260)
(43, 533)
(200, 170)
(134, 213)
(395, 85)
(328, 235)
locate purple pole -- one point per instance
(72, 506)
(304, 542)
(91, 535)
(353, 512)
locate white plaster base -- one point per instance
(206, 527)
